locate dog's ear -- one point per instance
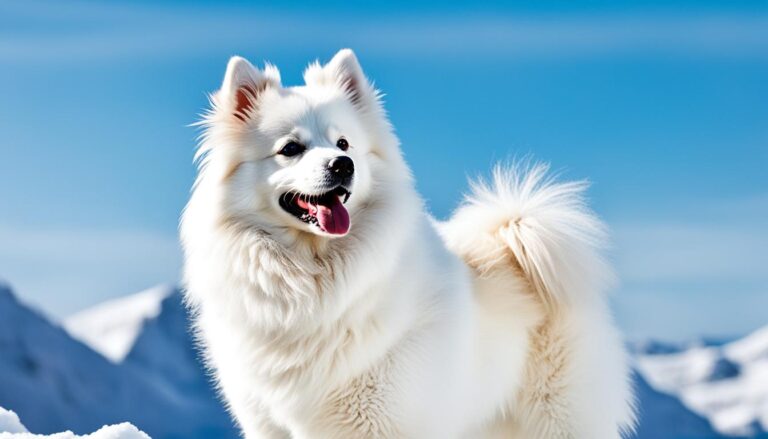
(345, 72)
(243, 83)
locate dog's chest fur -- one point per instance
(305, 335)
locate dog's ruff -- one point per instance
(491, 325)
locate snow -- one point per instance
(111, 328)
(12, 428)
(727, 384)
(668, 373)
(9, 422)
(750, 348)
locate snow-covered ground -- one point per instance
(12, 428)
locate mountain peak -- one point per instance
(111, 327)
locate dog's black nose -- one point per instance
(342, 166)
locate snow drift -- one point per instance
(12, 428)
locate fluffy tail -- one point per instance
(526, 221)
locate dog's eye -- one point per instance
(291, 149)
(342, 144)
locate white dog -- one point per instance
(332, 306)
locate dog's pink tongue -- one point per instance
(334, 219)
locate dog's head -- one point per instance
(296, 157)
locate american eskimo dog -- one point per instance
(331, 305)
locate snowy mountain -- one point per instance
(164, 350)
(148, 372)
(112, 327)
(56, 383)
(151, 331)
(727, 383)
(147, 330)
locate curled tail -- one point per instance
(526, 224)
(541, 228)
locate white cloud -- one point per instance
(708, 241)
(62, 271)
(692, 252)
(703, 273)
(681, 314)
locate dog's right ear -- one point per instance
(243, 83)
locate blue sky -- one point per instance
(663, 106)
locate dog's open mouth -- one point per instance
(326, 211)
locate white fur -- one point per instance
(493, 324)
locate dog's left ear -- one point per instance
(345, 72)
